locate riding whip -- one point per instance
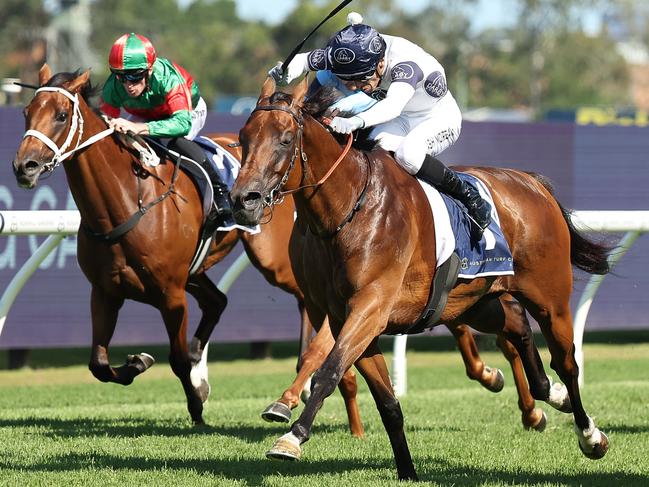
(297, 48)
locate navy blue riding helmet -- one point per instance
(355, 51)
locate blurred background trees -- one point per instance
(543, 56)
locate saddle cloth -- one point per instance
(228, 168)
(490, 256)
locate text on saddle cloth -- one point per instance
(490, 256)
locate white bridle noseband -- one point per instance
(76, 127)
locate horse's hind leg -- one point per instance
(555, 321)
(104, 310)
(175, 315)
(531, 416)
(212, 302)
(507, 319)
(490, 378)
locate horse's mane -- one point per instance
(318, 105)
(87, 91)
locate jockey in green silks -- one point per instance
(162, 100)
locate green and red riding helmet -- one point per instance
(131, 53)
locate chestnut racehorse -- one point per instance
(103, 181)
(367, 260)
(150, 261)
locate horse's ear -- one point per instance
(299, 93)
(44, 74)
(267, 89)
(77, 83)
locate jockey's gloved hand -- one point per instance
(346, 125)
(279, 75)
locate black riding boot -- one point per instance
(434, 172)
(221, 194)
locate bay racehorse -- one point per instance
(103, 178)
(367, 260)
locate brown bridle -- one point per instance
(276, 195)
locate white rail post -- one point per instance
(400, 366)
(22, 276)
(634, 223)
(57, 224)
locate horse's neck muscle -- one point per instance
(99, 177)
(329, 204)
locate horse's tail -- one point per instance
(586, 254)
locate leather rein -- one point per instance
(277, 194)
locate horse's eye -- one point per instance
(286, 140)
(61, 116)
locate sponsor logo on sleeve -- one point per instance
(402, 72)
(435, 85)
(407, 72)
(317, 60)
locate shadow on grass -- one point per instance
(135, 427)
(627, 429)
(254, 472)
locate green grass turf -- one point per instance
(59, 426)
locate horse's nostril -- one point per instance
(31, 166)
(251, 197)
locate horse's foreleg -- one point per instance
(490, 378)
(311, 358)
(104, 310)
(212, 302)
(174, 313)
(312, 355)
(352, 340)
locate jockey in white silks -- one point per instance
(415, 117)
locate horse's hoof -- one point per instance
(497, 380)
(277, 412)
(141, 361)
(599, 449)
(286, 447)
(539, 423)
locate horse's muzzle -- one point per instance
(26, 172)
(248, 207)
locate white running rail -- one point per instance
(57, 225)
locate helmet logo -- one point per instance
(376, 46)
(317, 60)
(435, 85)
(344, 55)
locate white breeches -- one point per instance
(199, 114)
(411, 138)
